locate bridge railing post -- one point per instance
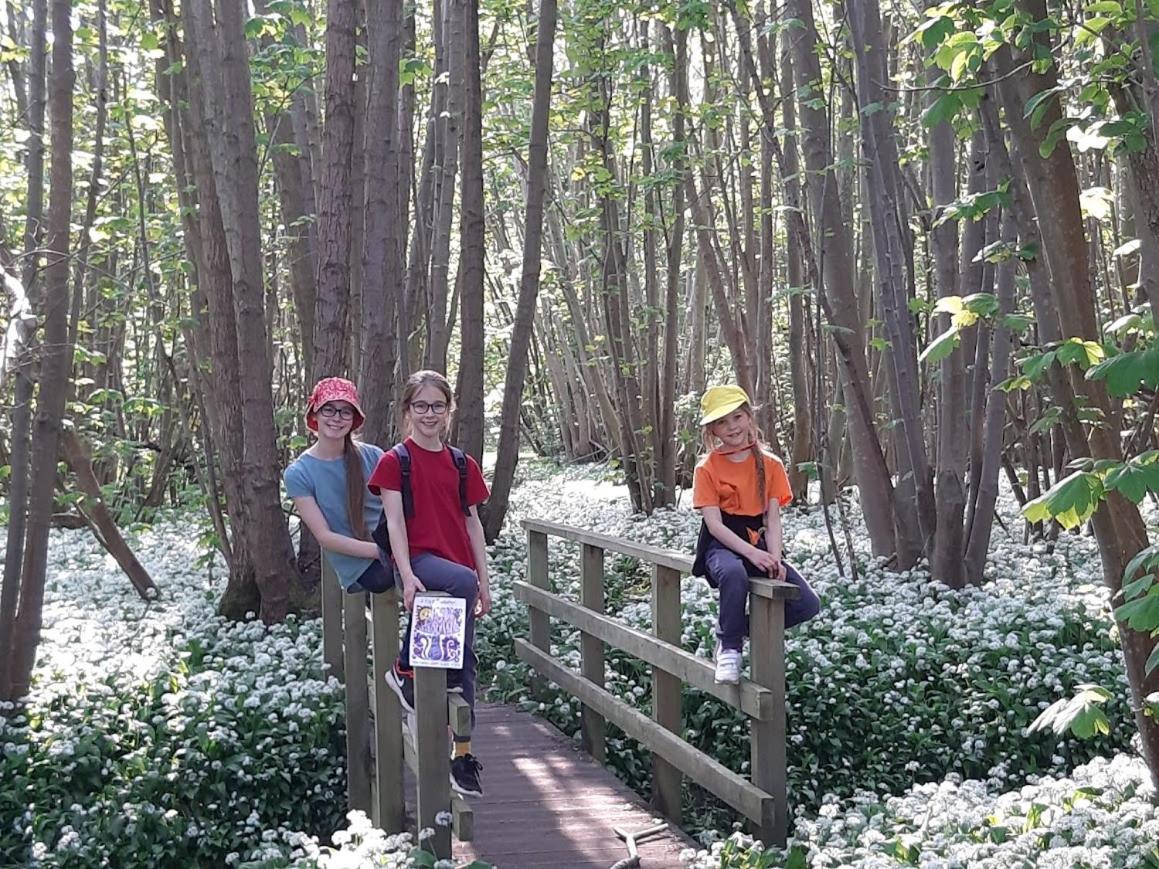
(667, 688)
(331, 622)
(389, 809)
(357, 701)
(593, 729)
(433, 758)
(767, 759)
(539, 625)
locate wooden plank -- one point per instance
(389, 807)
(734, 789)
(666, 689)
(357, 703)
(460, 715)
(752, 699)
(767, 632)
(434, 763)
(331, 621)
(539, 627)
(593, 729)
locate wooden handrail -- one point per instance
(762, 698)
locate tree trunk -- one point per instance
(472, 232)
(331, 341)
(508, 451)
(55, 366)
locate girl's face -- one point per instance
(428, 412)
(335, 419)
(734, 430)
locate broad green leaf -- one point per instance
(941, 347)
(1125, 373)
(1079, 714)
(1069, 502)
(1141, 614)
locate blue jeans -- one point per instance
(731, 574)
(457, 580)
(375, 579)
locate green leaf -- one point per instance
(1141, 614)
(1070, 502)
(1126, 373)
(1152, 661)
(941, 347)
(1034, 366)
(1079, 714)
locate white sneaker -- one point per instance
(727, 665)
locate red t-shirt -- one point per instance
(438, 525)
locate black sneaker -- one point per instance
(454, 681)
(403, 685)
(465, 775)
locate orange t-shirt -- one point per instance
(734, 487)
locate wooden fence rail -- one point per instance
(761, 697)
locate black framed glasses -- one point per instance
(436, 407)
(329, 410)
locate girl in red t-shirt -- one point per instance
(438, 548)
(739, 488)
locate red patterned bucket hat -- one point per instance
(334, 389)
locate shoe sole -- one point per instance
(397, 689)
(462, 791)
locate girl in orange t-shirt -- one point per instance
(739, 488)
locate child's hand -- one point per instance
(410, 587)
(483, 601)
(764, 559)
(778, 571)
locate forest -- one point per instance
(924, 237)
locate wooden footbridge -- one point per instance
(549, 802)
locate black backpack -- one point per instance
(380, 535)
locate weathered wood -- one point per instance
(734, 789)
(539, 627)
(592, 728)
(462, 823)
(389, 807)
(434, 763)
(670, 558)
(752, 699)
(460, 716)
(666, 688)
(357, 703)
(332, 622)
(767, 632)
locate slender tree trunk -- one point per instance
(331, 341)
(508, 451)
(472, 230)
(55, 366)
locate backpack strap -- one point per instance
(408, 502)
(460, 460)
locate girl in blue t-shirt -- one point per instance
(327, 484)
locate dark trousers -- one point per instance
(730, 573)
(457, 580)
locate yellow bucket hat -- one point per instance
(720, 401)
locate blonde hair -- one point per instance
(413, 386)
(758, 448)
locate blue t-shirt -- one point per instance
(324, 480)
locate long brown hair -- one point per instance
(413, 385)
(355, 486)
(757, 449)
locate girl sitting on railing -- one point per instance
(327, 484)
(739, 486)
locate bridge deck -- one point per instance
(548, 804)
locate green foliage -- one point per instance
(1070, 502)
(1081, 714)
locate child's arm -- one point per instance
(332, 541)
(479, 551)
(774, 537)
(716, 527)
(399, 545)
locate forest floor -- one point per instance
(159, 734)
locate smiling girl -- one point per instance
(739, 488)
(327, 484)
(437, 547)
